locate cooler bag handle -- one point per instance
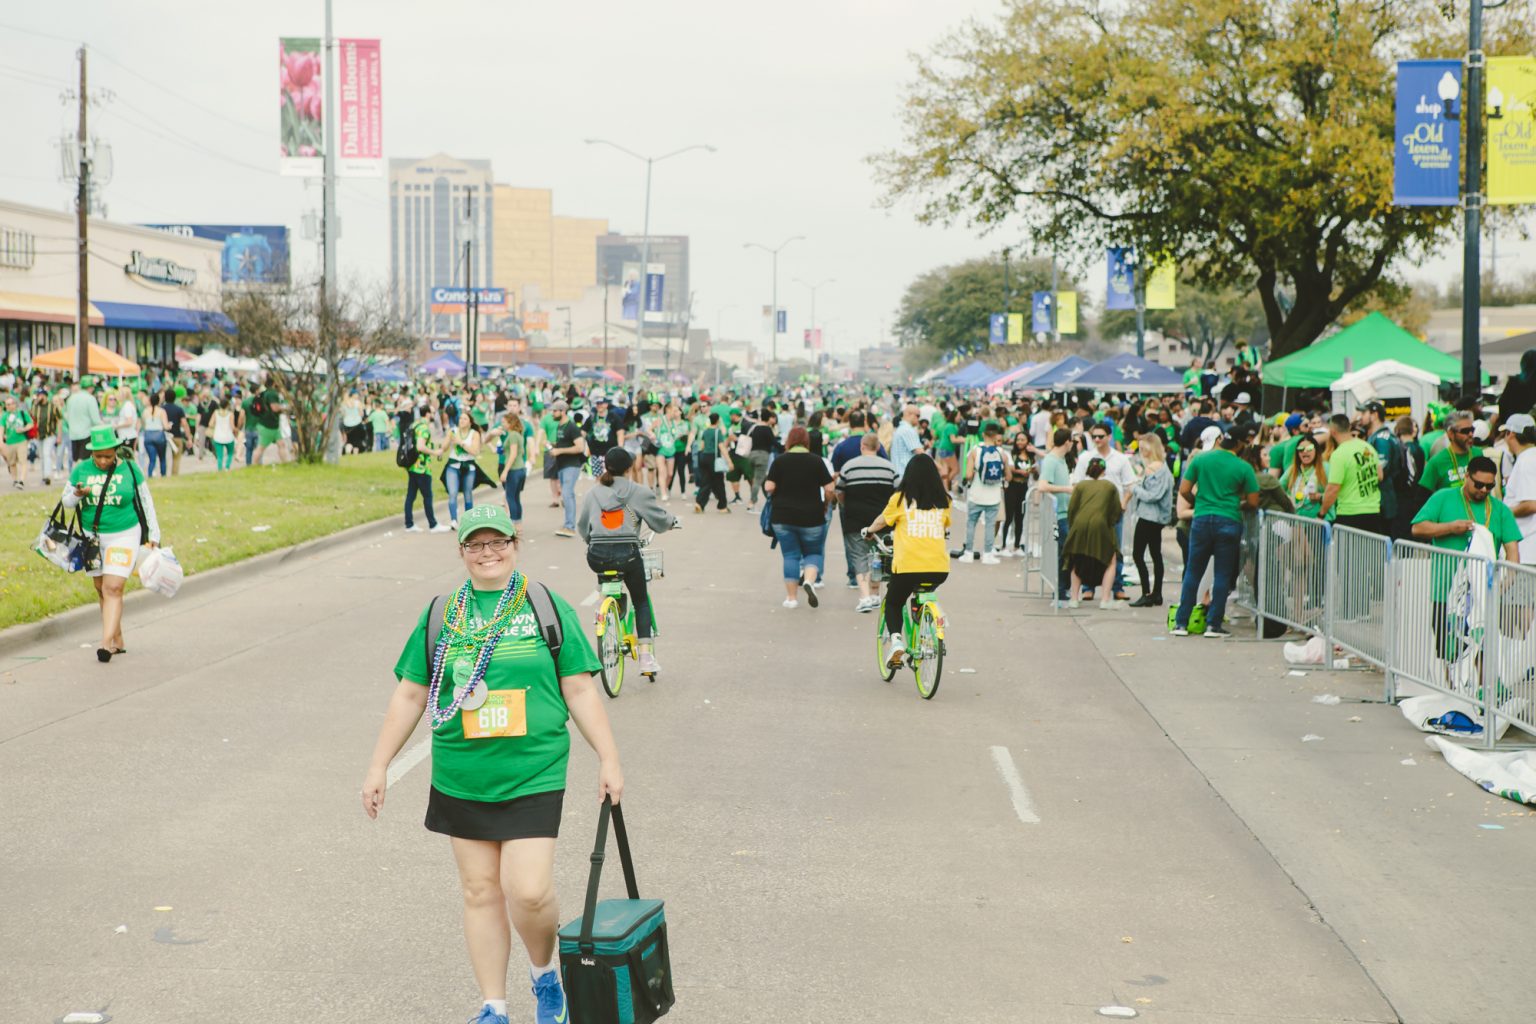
(589, 912)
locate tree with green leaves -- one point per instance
(1207, 321)
(1250, 140)
(949, 308)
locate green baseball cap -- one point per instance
(105, 439)
(486, 517)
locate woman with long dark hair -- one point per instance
(919, 513)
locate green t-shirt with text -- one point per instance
(117, 511)
(1446, 469)
(1353, 466)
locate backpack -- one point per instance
(258, 407)
(544, 613)
(406, 454)
(744, 445)
(990, 465)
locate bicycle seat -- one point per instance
(610, 574)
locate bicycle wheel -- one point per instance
(928, 659)
(887, 673)
(610, 646)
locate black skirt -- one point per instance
(536, 816)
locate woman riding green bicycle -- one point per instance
(919, 514)
(609, 521)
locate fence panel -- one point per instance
(1044, 560)
(1293, 570)
(1514, 593)
(1359, 593)
(1245, 586)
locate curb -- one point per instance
(28, 633)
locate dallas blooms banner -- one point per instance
(302, 107)
(360, 143)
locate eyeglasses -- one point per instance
(498, 545)
(1481, 485)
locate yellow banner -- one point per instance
(1066, 312)
(1160, 286)
(1015, 328)
(1511, 132)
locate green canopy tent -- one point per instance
(1362, 343)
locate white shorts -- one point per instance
(119, 554)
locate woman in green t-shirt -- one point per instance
(14, 424)
(499, 698)
(112, 495)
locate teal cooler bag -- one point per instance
(613, 958)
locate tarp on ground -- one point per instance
(1130, 374)
(1364, 342)
(1063, 373)
(1009, 376)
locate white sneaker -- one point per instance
(967, 556)
(990, 559)
(790, 602)
(897, 651)
(414, 529)
(1108, 604)
(648, 664)
(1074, 603)
(441, 528)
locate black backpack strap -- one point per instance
(599, 852)
(548, 619)
(435, 612)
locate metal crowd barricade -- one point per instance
(1292, 573)
(1447, 612)
(1043, 547)
(1359, 601)
(1245, 584)
(1514, 594)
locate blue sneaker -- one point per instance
(488, 1016)
(551, 998)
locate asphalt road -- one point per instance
(182, 839)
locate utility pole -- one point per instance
(1472, 198)
(82, 230)
(605, 319)
(328, 235)
(1055, 301)
(471, 306)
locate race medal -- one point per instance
(504, 713)
(475, 699)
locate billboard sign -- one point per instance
(253, 254)
(446, 298)
(360, 131)
(300, 113)
(629, 290)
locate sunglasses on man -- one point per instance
(1479, 485)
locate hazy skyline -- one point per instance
(795, 101)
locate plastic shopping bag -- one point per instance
(160, 571)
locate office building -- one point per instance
(431, 200)
(542, 259)
(614, 251)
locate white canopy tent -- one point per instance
(214, 359)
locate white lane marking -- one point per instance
(1023, 806)
(590, 599)
(408, 760)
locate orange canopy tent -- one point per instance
(100, 361)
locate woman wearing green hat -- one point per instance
(119, 515)
(508, 666)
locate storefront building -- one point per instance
(147, 288)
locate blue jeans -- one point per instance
(988, 515)
(460, 478)
(1063, 573)
(1210, 537)
(803, 547)
(418, 483)
(250, 447)
(514, 488)
(154, 448)
(568, 477)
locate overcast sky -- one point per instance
(795, 96)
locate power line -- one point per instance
(176, 139)
(265, 133)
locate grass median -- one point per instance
(209, 519)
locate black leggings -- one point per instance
(899, 589)
(1149, 537)
(1013, 513)
(625, 560)
(709, 481)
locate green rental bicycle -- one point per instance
(616, 637)
(922, 628)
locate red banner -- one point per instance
(360, 146)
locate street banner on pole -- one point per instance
(997, 329)
(1511, 132)
(1121, 290)
(360, 150)
(782, 327)
(1015, 328)
(1066, 312)
(655, 286)
(1040, 313)
(1161, 284)
(813, 338)
(629, 290)
(301, 128)
(1427, 169)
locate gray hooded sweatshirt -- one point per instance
(626, 505)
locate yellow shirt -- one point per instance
(919, 536)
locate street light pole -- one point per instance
(714, 354)
(773, 318)
(814, 288)
(1472, 198)
(645, 243)
(570, 346)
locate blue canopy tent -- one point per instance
(973, 376)
(586, 373)
(1057, 376)
(955, 379)
(450, 365)
(390, 373)
(1130, 374)
(532, 371)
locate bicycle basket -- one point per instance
(655, 565)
